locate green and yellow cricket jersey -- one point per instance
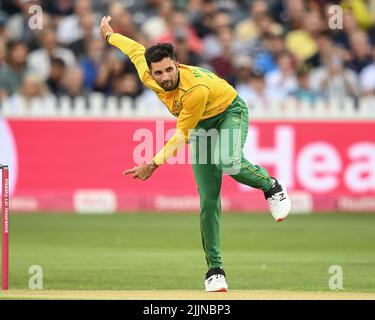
(200, 94)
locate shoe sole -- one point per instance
(220, 290)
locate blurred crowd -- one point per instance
(268, 50)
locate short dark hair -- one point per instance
(158, 52)
(58, 62)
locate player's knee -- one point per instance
(230, 165)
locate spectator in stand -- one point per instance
(333, 79)
(60, 8)
(242, 69)
(294, 14)
(122, 20)
(90, 64)
(367, 78)
(211, 44)
(39, 60)
(112, 68)
(180, 22)
(13, 72)
(70, 28)
(361, 51)
(325, 46)
(341, 36)
(265, 49)
(282, 81)
(304, 93)
(56, 76)
(183, 53)
(72, 84)
(255, 92)
(223, 64)
(157, 25)
(254, 26)
(90, 31)
(3, 53)
(127, 85)
(203, 17)
(33, 89)
(301, 42)
(4, 35)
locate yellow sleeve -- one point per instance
(134, 50)
(194, 104)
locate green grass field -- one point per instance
(153, 251)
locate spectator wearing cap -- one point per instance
(13, 72)
(39, 61)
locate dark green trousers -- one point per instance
(216, 149)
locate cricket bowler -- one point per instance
(201, 101)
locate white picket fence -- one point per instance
(97, 105)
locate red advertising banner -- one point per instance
(77, 165)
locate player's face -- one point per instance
(165, 73)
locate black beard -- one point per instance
(176, 85)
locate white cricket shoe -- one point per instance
(278, 201)
(215, 281)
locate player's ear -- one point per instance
(177, 64)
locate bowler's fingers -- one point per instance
(105, 19)
(129, 171)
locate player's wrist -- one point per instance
(154, 165)
(107, 35)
